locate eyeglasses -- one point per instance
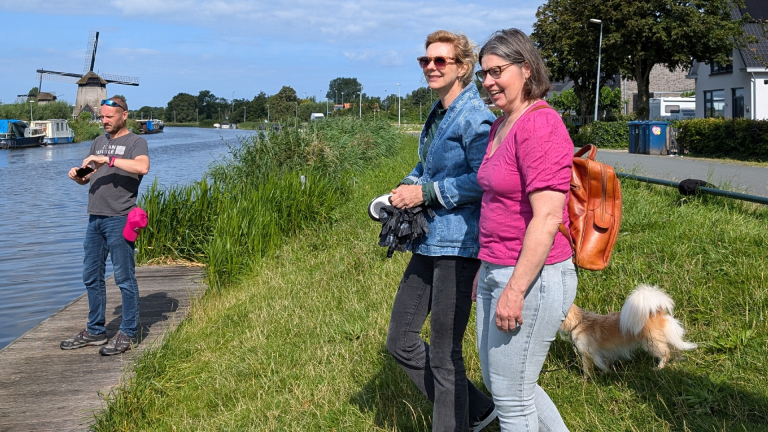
(440, 61)
(110, 102)
(494, 72)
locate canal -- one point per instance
(43, 217)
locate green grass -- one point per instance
(298, 344)
(275, 185)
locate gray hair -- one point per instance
(514, 46)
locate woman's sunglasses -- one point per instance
(440, 61)
(110, 102)
(494, 72)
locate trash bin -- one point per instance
(643, 141)
(634, 136)
(657, 138)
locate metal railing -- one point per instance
(706, 190)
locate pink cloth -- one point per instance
(536, 154)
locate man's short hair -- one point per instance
(120, 101)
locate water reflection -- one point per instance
(43, 217)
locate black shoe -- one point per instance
(118, 345)
(84, 339)
(483, 421)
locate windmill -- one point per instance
(91, 87)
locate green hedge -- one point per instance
(735, 138)
(602, 134)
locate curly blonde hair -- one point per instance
(464, 49)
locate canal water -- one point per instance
(43, 217)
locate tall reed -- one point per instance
(275, 184)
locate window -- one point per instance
(672, 109)
(738, 102)
(718, 68)
(714, 103)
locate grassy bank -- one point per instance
(298, 344)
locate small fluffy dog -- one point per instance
(645, 321)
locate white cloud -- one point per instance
(334, 21)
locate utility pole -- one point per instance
(398, 105)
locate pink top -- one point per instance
(536, 154)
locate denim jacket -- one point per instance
(452, 162)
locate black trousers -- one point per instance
(441, 285)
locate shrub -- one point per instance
(603, 134)
(736, 138)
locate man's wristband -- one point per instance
(112, 161)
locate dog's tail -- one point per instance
(643, 302)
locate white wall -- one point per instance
(727, 82)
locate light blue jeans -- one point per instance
(511, 362)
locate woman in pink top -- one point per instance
(527, 281)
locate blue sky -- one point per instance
(237, 46)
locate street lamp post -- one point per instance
(267, 113)
(361, 102)
(31, 119)
(342, 100)
(599, 54)
(398, 104)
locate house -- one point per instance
(739, 89)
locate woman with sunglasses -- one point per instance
(527, 281)
(438, 279)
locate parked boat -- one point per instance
(225, 126)
(16, 134)
(152, 126)
(57, 131)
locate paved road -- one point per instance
(740, 178)
(730, 176)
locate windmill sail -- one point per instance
(90, 52)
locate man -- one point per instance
(119, 160)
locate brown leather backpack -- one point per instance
(594, 209)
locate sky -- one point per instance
(237, 48)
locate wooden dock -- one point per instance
(44, 388)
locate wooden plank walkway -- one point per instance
(44, 388)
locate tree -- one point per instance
(610, 99)
(566, 101)
(282, 105)
(185, 106)
(637, 35)
(672, 33)
(569, 45)
(348, 86)
(153, 112)
(33, 92)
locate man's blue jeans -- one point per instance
(105, 236)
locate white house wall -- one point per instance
(729, 81)
(761, 95)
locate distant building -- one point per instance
(44, 97)
(663, 83)
(738, 89)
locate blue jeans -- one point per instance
(512, 361)
(105, 236)
(442, 286)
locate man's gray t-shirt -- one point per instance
(113, 191)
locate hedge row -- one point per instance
(736, 138)
(603, 134)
